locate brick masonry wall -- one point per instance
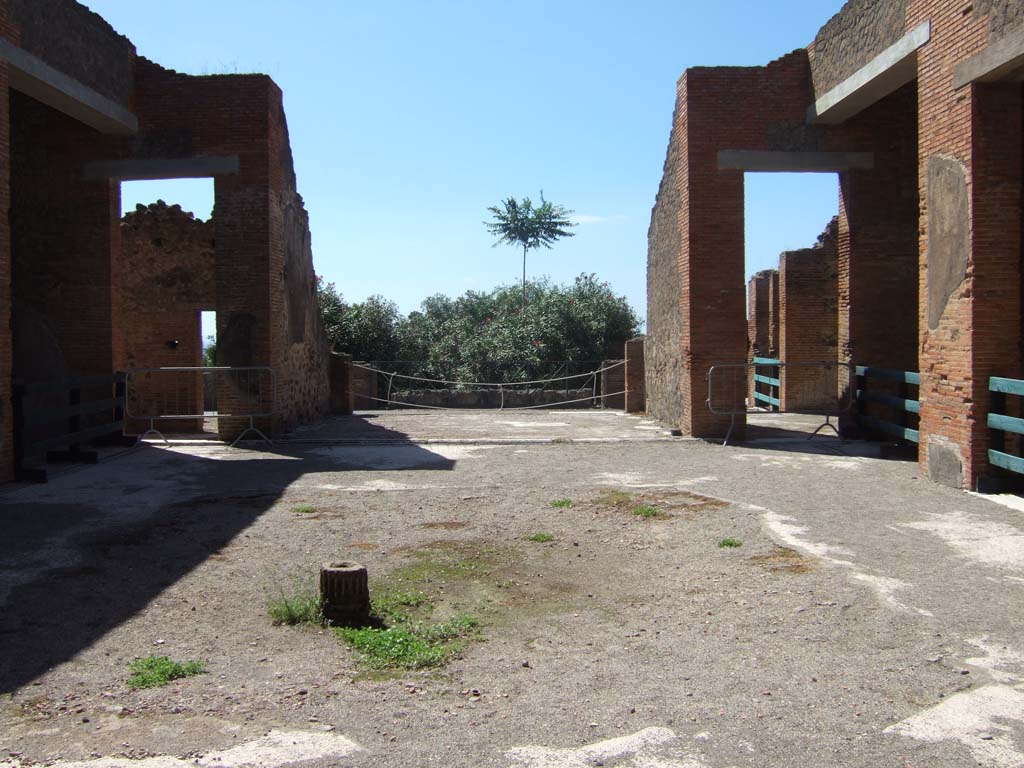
(808, 303)
(64, 236)
(663, 372)
(266, 308)
(969, 139)
(759, 296)
(612, 381)
(166, 276)
(636, 395)
(80, 43)
(860, 31)
(697, 228)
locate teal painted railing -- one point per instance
(1000, 423)
(901, 403)
(771, 398)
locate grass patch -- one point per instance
(616, 499)
(562, 503)
(785, 560)
(298, 604)
(646, 510)
(153, 671)
(730, 543)
(541, 538)
(304, 509)
(401, 647)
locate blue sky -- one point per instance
(408, 119)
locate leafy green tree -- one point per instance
(520, 224)
(210, 352)
(367, 330)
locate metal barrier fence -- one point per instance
(899, 401)
(819, 391)
(763, 368)
(176, 394)
(1001, 424)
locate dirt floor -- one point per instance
(862, 617)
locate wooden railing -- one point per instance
(902, 403)
(1000, 423)
(54, 420)
(772, 397)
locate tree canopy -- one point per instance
(521, 224)
(483, 336)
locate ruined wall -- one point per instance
(663, 371)
(1003, 16)
(758, 306)
(636, 393)
(808, 303)
(301, 351)
(64, 235)
(80, 43)
(852, 38)
(266, 307)
(167, 277)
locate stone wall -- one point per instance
(166, 275)
(852, 38)
(636, 393)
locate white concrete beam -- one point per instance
(794, 162)
(33, 76)
(160, 168)
(1001, 60)
(888, 71)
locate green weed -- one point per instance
(645, 510)
(153, 671)
(562, 503)
(299, 604)
(304, 509)
(400, 647)
(729, 543)
(541, 538)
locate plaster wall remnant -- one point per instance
(928, 242)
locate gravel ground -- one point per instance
(869, 617)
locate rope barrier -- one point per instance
(393, 374)
(514, 408)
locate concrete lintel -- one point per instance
(891, 69)
(794, 162)
(34, 77)
(163, 168)
(1001, 60)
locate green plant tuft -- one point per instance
(304, 509)
(645, 510)
(730, 543)
(562, 503)
(298, 605)
(409, 648)
(153, 671)
(541, 538)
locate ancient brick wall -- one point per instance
(852, 38)
(266, 300)
(166, 276)
(663, 372)
(970, 184)
(636, 394)
(80, 43)
(808, 303)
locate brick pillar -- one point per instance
(758, 318)
(242, 238)
(341, 383)
(636, 397)
(970, 176)
(6, 418)
(809, 309)
(878, 240)
(774, 318)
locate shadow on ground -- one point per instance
(78, 568)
